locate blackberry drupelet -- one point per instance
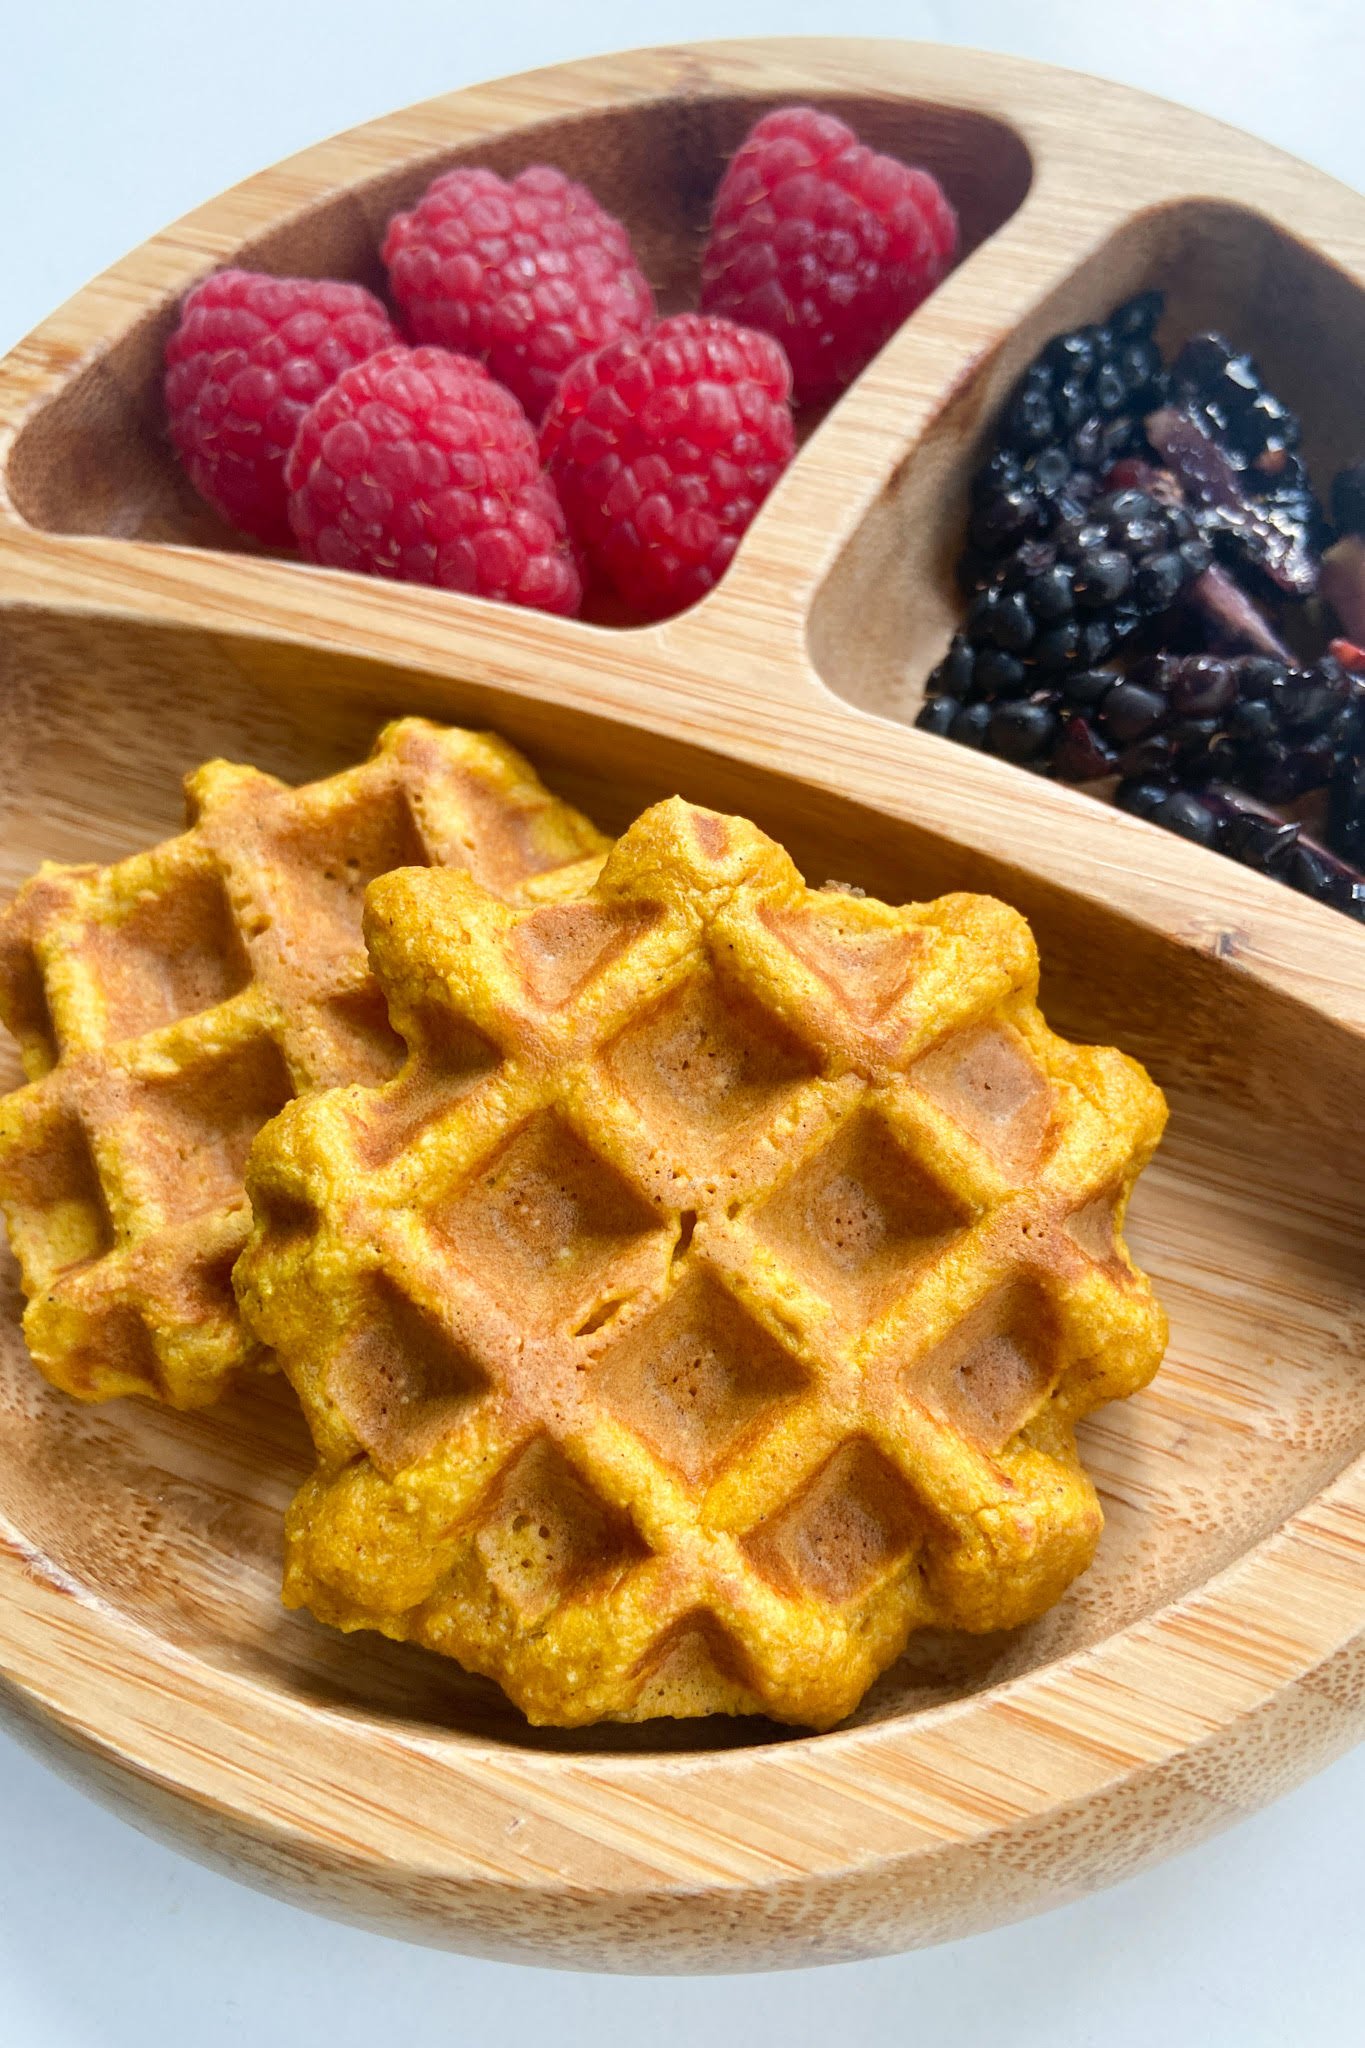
(1290, 729)
(1224, 387)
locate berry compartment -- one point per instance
(95, 458)
(886, 611)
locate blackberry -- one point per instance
(1223, 391)
(1025, 731)
(938, 715)
(1251, 530)
(1062, 605)
(1118, 495)
(1224, 387)
(1233, 823)
(1076, 410)
(1080, 754)
(1191, 816)
(1143, 795)
(1274, 730)
(1291, 729)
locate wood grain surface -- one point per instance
(1216, 1652)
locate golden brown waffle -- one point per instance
(169, 1005)
(710, 1300)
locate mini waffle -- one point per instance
(710, 1300)
(168, 1006)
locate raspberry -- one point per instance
(822, 243)
(527, 276)
(417, 465)
(663, 448)
(248, 358)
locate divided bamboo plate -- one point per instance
(1216, 1653)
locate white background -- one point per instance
(117, 118)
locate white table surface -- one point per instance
(116, 120)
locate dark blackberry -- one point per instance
(955, 671)
(1087, 687)
(1224, 390)
(1063, 605)
(1053, 591)
(1024, 732)
(1250, 833)
(969, 725)
(1232, 514)
(1131, 712)
(1289, 730)
(1318, 872)
(1224, 387)
(1273, 730)
(1235, 824)
(1144, 795)
(1117, 496)
(1077, 408)
(998, 674)
(1057, 647)
(1202, 686)
(1148, 758)
(1191, 817)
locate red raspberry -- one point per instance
(663, 448)
(822, 243)
(528, 277)
(417, 465)
(250, 355)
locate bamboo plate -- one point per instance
(1216, 1653)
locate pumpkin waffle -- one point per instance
(710, 1300)
(167, 1006)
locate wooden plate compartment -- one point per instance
(1220, 266)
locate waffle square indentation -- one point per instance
(852, 1523)
(865, 966)
(402, 1381)
(174, 955)
(365, 1046)
(330, 861)
(59, 1217)
(996, 1368)
(697, 1377)
(861, 1218)
(985, 1081)
(708, 1064)
(196, 1127)
(544, 1221)
(557, 950)
(550, 1536)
